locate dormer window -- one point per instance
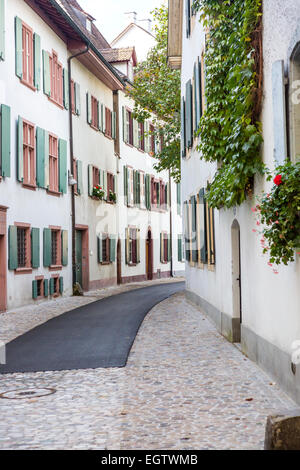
(89, 25)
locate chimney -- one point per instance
(148, 26)
(131, 15)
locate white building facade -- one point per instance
(226, 273)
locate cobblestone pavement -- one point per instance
(184, 387)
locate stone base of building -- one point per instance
(225, 324)
(143, 277)
(276, 362)
(179, 273)
(102, 283)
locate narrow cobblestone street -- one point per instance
(184, 387)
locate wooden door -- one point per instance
(78, 247)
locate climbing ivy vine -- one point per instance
(230, 131)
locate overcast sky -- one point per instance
(110, 16)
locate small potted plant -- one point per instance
(112, 196)
(98, 192)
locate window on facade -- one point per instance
(96, 176)
(28, 154)
(133, 246)
(162, 194)
(22, 235)
(211, 255)
(40, 287)
(129, 127)
(56, 71)
(110, 183)
(152, 140)
(56, 247)
(27, 55)
(75, 176)
(143, 190)
(73, 97)
(166, 241)
(105, 249)
(95, 120)
(108, 122)
(53, 163)
(141, 136)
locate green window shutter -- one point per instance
(105, 184)
(51, 286)
(178, 198)
(183, 129)
(90, 179)
(112, 248)
(279, 112)
(125, 139)
(40, 157)
(135, 133)
(203, 226)
(161, 247)
(61, 285)
(187, 234)
(20, 166)
(127, 259)
(35, 248)
(12, 247)
(194, 229)
(46, 73)
(64, 247)
(66, 88)
(188, 17)
(37, 61)
(47, 247)
(62, 161)
(199, 86)
(180, 257)
(19, 47)
(2, 29)
(189, 115)
(89, 108)
(138, 246)
(46, 287)
(169, 248)
(79, 177)
(77, 99)
(125, 175)
(34, 289)
(5, 141)
(100, 254)
(113, 125)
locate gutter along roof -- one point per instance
(65, 23)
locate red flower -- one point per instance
(278, 180)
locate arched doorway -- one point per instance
(149, 255)
(236, 272)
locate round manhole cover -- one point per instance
(29, 393)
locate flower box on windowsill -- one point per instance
(98, 193)
(112, 197)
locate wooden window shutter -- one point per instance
(99, 248)
(135, 133)
(77, 99)
(124, 115)
(161, 247)
(101, 123)
(199, 86)
(47, 247)
(178, 187)
(62, 160)
(125, 176)
(2, 29)
(79, 177)
(37, 61)
(47, 174)
(34, 289)
(12, 247)
(210, 235)
(66, 88)
(169, 248)
(99, 115)
(187, 230)
(40, 157)
(188, 17)
(20, 166)
(90, 179)
(114, 125)
(61, 285)
(64, 247)
(203, 226)
(19, 47)
(105, 184)
(146, 136)
(112, 248)
(197, 94)
(46, 73)
(194, 229)
(279, 112)
(189, 115)
(138, 246)
(5, 141)
(35, 247)
(51, 285)
(127, 254)
(89, 108)
(180, 257)
(183, 129)
(46, 287)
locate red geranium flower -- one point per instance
(278, 180)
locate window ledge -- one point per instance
(23, 270)
(56, 102)
(30, 186)
(53, 193)
(55, 267)
(29, 85)
(105, 263)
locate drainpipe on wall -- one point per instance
(171, 222)
(71, 164)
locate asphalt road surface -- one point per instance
(97, 335)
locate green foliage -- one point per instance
(156, 91)
(279, 212)
(228, 129)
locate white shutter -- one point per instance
(279, 112)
